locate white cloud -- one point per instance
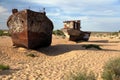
(2, 9)
(101, 24)
(94, 14)
(90, 23)
(3, 17)
(3, 14)
(84, 7)
(59, 2)
(51, 14)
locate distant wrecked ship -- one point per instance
(72, 31)
(30, 29)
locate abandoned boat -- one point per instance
(72, 31)
(30, 29)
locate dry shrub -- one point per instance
(112, 70)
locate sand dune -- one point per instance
(57, 61)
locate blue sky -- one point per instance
(95, 15)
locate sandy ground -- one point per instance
(57, 61)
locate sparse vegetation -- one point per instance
(4, 67)
(115, 34)
(92, 46)
(112, 70)
(58, 33)
(1, 32)
(83, 76)
(111, 37)
(100, 35)
(31, 55)
(104, 35)
(4, 33)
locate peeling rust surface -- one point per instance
(30, 29)
(83, 36)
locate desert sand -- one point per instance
(57, 61)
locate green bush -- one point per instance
(2, 33)
(4, 67)
(92, 46)
(83, 76)
(31, 55)
(58, 32)
(112, 70)
(6, 34)
(115, 33)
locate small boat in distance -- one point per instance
(72, 31)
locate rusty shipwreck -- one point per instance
(30, 29)
(72, 31)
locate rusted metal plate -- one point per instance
(72, 30)
(84, 36)
(30, 29)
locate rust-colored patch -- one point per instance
(30, 29)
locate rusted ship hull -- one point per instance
(84, 36)
(72, 31)
(36, 40)
(20, 39)
(30, 29)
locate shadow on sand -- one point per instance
(105, 41)
(63, 48)
(8, 72)
(100, 41)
